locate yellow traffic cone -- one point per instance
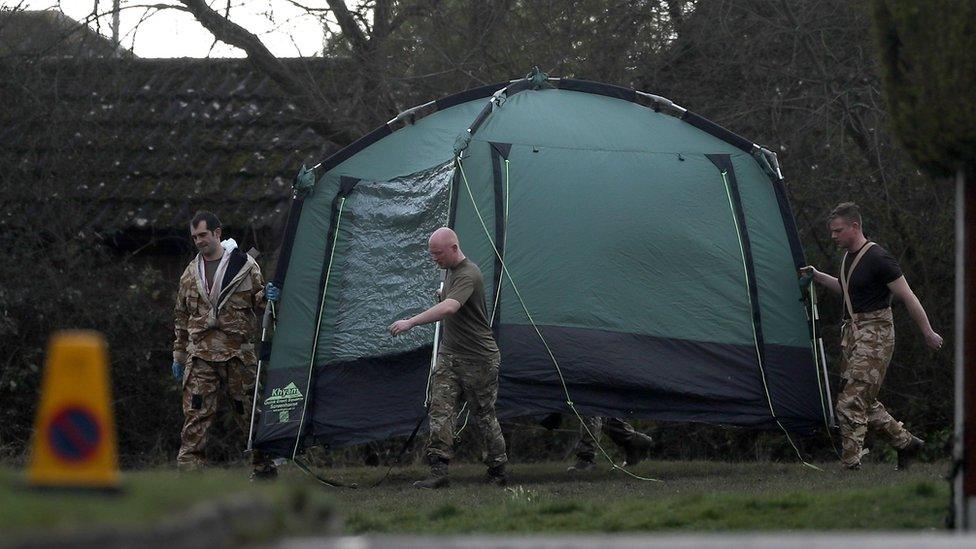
(74, 443)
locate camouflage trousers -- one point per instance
(204, 385)
(475, 381)
(867, 344)
(619, 431)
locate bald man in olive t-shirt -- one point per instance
(467, 363)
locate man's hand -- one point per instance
(933, 340)
(806, 275)
(436, 313)
(271, 292)
(810, 274)
(400, 326)
(177, 370)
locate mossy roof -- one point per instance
(145, 142)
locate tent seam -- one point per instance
(736, 154)
(755, 335)
(318, 328)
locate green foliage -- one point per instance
(56, 282)
(928, 57)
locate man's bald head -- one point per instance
(444, 248)
(444, 235)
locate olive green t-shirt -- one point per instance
(466, 332)
(210, 269)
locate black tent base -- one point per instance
(384, 397)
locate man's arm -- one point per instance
(904, 292)
(824, 279)
(436, 313)
(181, 318)
(258, 300)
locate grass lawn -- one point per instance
(694, 496)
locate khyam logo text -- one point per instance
(283, 401)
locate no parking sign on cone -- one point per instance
(74, 431)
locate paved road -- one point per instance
(935, 540)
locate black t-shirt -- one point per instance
(869, 283)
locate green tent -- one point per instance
(650, 261)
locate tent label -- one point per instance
(283, 401)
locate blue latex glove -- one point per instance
(177, 370)
(271, 292)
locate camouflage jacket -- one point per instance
(221, 331)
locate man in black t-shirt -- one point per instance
(869, 278)
(467, 362)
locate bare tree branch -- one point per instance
(404, 15)
(381, 20)
(350, 30)
(306, 8)
(675, 12)
(258, 54)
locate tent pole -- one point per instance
(823, 355)
(433, 352)
(318, 325)
(265, 323)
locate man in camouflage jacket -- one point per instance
(221, 293)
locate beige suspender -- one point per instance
(845, 279)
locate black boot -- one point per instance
(264, 473)
(638, 449)
(437, 478)
(496, 476)
(909, 453)
(262, 467)
(583, 463)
